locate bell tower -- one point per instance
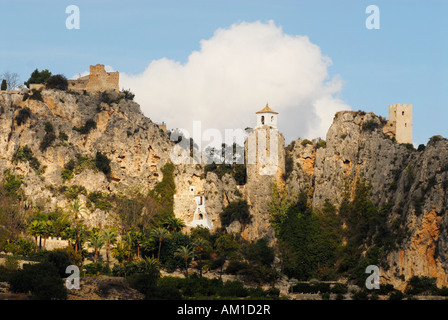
(266, 117)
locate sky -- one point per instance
(219, 61)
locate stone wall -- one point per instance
(97, 80)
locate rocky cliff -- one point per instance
(413, 183)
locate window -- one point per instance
(272, 118)
(402, 113)
(200, 216)
(262, 119)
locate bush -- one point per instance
(58, 82)
(305, 142)
(443, 291)
(236, 211)
(36, 95)
(60, 259)
(421, 285)
(396, 295)
(66, 175)
(360, 295)
(370, 125)
(233, 289)
(25, 154)
(41, 279)
(94, 268)
(102, 162)
(38, 77)
(128, 95)
(339, 288)
(87, 127)
(49, 137)
(23, 115)
(4, 86)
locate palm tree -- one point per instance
(173, 224)
(185, 252)
(35, 230)
(129, 241)
(109, 237)
(201, 245)
(160, 234)
(47, 230)
(97, 243)
(138, 239)
(76, 209)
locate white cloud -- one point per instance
(234, 74)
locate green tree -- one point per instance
(173, 224)
(4, 85)
(97, 243)
(58, 82)
(201, 247)
(186, 253)
(236, 211)
(279, 206)
(109, 237)
(76, 209)
(39, 77)
(159, 234)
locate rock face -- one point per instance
(137, 148)
(413, 182)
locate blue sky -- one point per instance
(405, 61)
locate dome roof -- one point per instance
(266, 110)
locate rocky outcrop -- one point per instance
(136, 147)
(413, 182)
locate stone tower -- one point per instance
(265, 147)
(265, 165)
(400, 123)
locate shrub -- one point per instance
(421, 285)
(63, 136)
(12, 184)
(443, 291)
(58, 82)
(233, 289)
(66, 174)
(102, 162)
(128, 95)
(434, 139)
(305, 142)
(25, 154)
(236, 211)
(36, 95)
(396, 295)
(23, 115)
(72, 192)
(60, 259)
(94, 268)
(87, 127)
(370, 125)
(339, 288)
(41, 279)
(38, 77)
(49, 137)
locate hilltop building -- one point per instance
(97, 81)
(399, 125)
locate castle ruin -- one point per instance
(97, 81)
(399, 125)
